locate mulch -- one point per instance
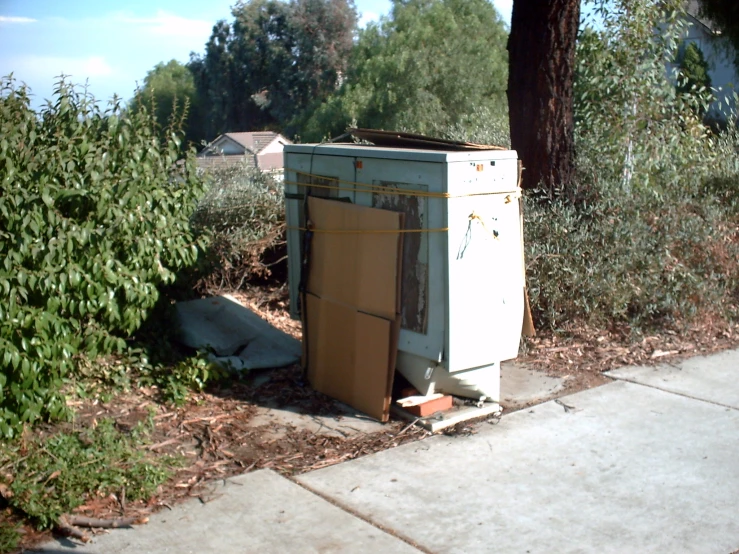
(215, 435)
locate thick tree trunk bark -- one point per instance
(541, 50)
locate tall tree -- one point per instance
(275, 58)
(324, 39)
(170, 89)
(262, 48)
(424, 68)
(214, 83)
(694, 69)
(541, 50)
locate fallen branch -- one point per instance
(70, 530)
(70, 524)
(113, 523)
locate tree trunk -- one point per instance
(541, 50)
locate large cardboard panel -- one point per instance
(351, 355)
(354, 256)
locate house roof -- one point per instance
(254, 141)
(265, 162)
(218, 162)
(693, 8)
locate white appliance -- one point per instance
(462, 293)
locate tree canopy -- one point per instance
(263, 69)
(423, 68)
(693, 72)
(170, 89)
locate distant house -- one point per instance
(259, 149)
(719, 55)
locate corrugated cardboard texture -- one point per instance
(349, 355)
(353, 304)
(355, 268)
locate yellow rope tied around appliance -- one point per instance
(382, 189)
(386, 190)
(367, 231)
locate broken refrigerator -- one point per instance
(462, 282)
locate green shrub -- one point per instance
(10, 536)
(693, 70)
(94, 216)
(641, 261)
(49, 477)
(648, 237)
(481, 126)
(244, 212)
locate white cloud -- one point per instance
(33, 67)
(14, 19)
(170, 25)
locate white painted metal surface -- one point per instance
(471, 297)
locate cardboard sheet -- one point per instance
(399, 139)
(360, 269)
(350, 356)
(353, 304)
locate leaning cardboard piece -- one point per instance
(353, 258)
(349, 356)
(352, 318)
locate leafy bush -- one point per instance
(244, 212)
(94, 216)
(480, 125)
(642, 261)
(48, 477)
(10, 536)
(694, 69)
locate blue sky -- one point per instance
(112, 44)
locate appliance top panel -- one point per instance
(364, 151)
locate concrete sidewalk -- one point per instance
(647, 463)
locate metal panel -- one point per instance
(332, 171)
(415, 267)
(462, 289)
(485, 279)
(423, 284)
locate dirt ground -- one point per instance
(216, 435)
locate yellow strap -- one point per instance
(380, 189)
(368, 231)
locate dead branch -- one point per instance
(113, 523)
(71, 531)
